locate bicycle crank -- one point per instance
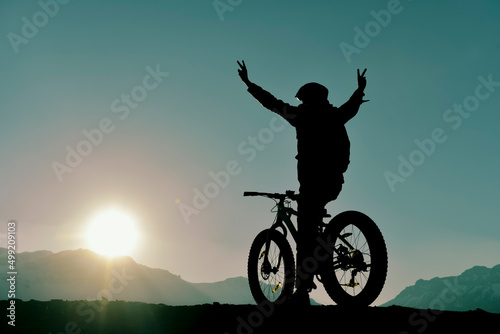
(352, 283)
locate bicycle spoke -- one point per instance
(356, 238)
(362, 248)
(351, 275)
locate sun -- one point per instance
(112, 233)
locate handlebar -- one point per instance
(288, 194)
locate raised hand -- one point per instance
(242, 72)
(361, 80)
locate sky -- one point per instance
(137, 106)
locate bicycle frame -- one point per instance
(349, 239)
(284, 221)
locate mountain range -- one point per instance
(84, 275)
(475, 288)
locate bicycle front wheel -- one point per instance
(356, 271)
(271, 269)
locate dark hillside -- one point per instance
(78, 317)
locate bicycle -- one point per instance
(350, 258)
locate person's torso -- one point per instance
(322, 137)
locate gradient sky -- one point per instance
(84, 57)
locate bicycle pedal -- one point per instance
(352, 285)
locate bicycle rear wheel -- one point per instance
(355, 273)
(271, 270)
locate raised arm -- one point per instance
(265, 98)
(351, 107)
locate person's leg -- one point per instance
(310, 212)
(311, 207)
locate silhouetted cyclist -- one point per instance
(323, 156)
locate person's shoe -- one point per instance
(299, 299)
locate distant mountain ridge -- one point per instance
(82, 274)
(478, 287)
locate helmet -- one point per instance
(312, 92)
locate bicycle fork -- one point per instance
(267, 268)
(266, 265)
